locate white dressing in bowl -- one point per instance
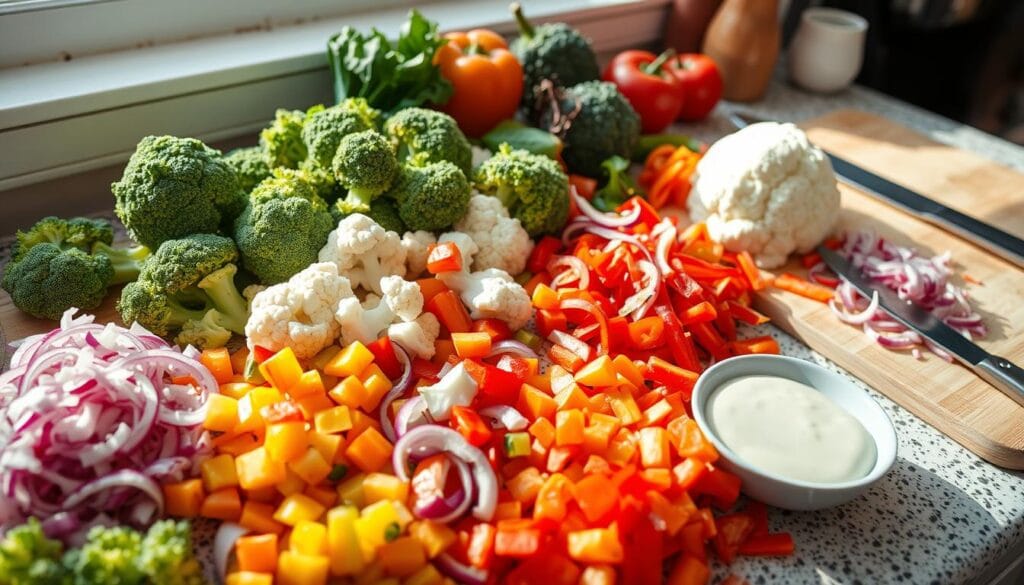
(790, 429)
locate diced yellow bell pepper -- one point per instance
(569, 425)
(299, 569)
(350, 491)
(308, 538)
(291, 484)
(377, 524)
(218, 472)
(377, 386)
(333, 420)
(329, 446)
(599, 373)
(402, 556)
(249, 578)
(309, 383)
(298, 507)
(282, 369)
(349, 392)
(311, 466)
(249, 406)
(384, 486)
(221, 413)
(654, 447)
(595, 545)
(360, 422)
(256, 469)
(314, 403)
(369, 451)
(433, 536)
(350, 361)
(235, 390)
(286, 440)
(342, 541)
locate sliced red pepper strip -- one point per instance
(684, 354)
(779, 544)
(542, 253)
(596, 313)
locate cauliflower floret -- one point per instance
(489, 294)
(456, 388)
(416, 245)
(768, 190)
(480, 154)
(417, 336)
(299, 313)
(364, 252)
(502, 241)
(365, 322)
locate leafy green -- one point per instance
(619, 188)
(390, 75)
(522, 137)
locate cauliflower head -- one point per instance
(401, 302)
(768, 190)
(299, 312)
(501, 239)
(489, 294)
(364, 252)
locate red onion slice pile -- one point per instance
(91, 421)
(927, 282)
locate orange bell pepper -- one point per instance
(443, 257)
(805, 288)
(449, 310)
(486, 77)
(218, 361)
(475, 344)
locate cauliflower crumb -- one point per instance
(768, 190)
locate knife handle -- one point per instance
(1004, 375)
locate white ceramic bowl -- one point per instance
(779, 491)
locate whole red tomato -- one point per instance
(653, 92)
(700, 81)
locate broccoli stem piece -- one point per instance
(619, 187)
(179, 313)
(126, 261)
(219, 285)
(357, 201)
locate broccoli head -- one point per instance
(552, 51)
(167, 556)
(431, 136)
(320, 179)
(324, 128)
(384, 211)
(282, 229)
(173, 187)
(188, 285)
(605, 125)
(531, 186)
(281, 142)
(108, 556)
(77, 232)
(49, 280)
(28, 557)
(432, 196)
(365, 164)
(619, 188)
(250, 166)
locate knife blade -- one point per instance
(987, 236)
(998, 371)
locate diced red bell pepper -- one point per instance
(674, 377)
(763, 344)
(549, 320)
(722, 486)
(548, 567)
(565, 358)
(384, 356)
(750, 270)
(585, 186)
(642, 548)
(496, 386)
(443, 257)
(596, 498)
(746, 314)
(647, 333)
(684, 354)
(724, 322)
(733, 530)
(708, 338)
(547, 247)
(521, 367)
(261, 354)
(496, 328)
(422, 368)
(517, 538)
(470, 425)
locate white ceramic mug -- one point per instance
(828, 50)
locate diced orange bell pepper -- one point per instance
(654, 447)
(672, 376)
(351, 360)
(805, 288)
(259, 517)
(218, 472)
(598, 373)
(299, 569)
(472, 344)
(402, 556)
(443, 257)
(256, 469)
(183, 499)
(286, 440)
(569, 425)
(595, 497)
(449, 310)
(764, 344)
(221, 413)
(596, 545)
(218, 361)
(553, 498)
(257, 553)
(689, 570)
(223, 504)
(370, 451)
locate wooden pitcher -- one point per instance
(743, 39)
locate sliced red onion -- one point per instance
(856, 318)
(641, 302)
(666, 239)
(577, 271)
(224, 541)
(459, 572)
(413, 413)
(601, 218)
(399, 388)
(570, 342)
(446, 509)
(599, 317)
(125, 478)
(430, 439)
(512, 346)
(610, 234)
(507, 416)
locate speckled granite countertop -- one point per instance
(942, 515)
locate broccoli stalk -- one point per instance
(127, 262)
(619, 188)
(232, 309)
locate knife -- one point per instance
(987, 236)
(998, 371)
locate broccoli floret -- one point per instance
(28, 557)
(384, 211)
(108, 556)
(49, 280)
(173, 187)
(188, 285)
(282, 229)
(166, 557)
(619, 188)
(531, 186)
(77, 232)
(249, 164)
(553, 51)
(432, 196)
(319, 178)
(281, 142)
(431, 136)
(604, 125)
(365, 164)
(324, 128)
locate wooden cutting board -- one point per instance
(948, 396)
